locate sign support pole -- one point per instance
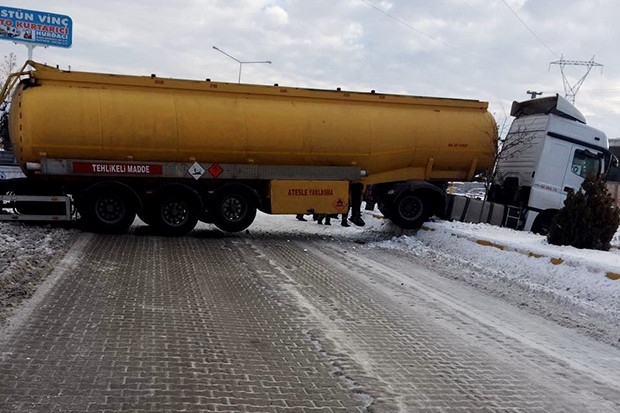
(30, 50)
(30, 47)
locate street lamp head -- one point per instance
(240, 61)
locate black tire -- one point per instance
(234, 209)
(542, 223)
(409, 211)
(107, 208)
(175, 213)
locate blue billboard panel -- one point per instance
(35, 27)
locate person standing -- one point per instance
(356, 190)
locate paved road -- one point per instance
(269, 322)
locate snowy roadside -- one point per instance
(28, 253)
(585, 277)
(575, 288)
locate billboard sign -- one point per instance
(36, 28)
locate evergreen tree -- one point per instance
(589, 218)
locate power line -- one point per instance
(610, 90)
(404, 23)
(528, 28)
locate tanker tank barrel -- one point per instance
(175, 151)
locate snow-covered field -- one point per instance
(562, 283)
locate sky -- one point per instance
(490, 50)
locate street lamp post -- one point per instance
(241, 63)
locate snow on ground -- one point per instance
(572, 287)
(527, 258)
(583, 277)
(574, 282)
(28, 253)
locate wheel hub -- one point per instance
(110, 209)
(232, 209)
(175, 212)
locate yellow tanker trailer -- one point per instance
(177, 151)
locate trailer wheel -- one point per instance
(409, 211)
(176, 213)
(107, 208)
(234, 208)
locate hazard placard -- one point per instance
(320, 197)
(196, 171)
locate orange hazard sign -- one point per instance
(302, 196)
(340, 205)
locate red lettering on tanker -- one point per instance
(310, 192)
(106, 168)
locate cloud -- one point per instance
(276, 16)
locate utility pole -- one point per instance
(571, 91)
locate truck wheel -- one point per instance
(234, 209)
(542, 223)
(107, 209)
(176, 214)
(409, 211)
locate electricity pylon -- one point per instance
(571, 91)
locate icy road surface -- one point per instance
(406, 322)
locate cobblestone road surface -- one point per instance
(263, 322)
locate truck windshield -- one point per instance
(586, 163)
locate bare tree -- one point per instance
(514, 145)
(7, 67)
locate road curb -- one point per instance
(614, 276)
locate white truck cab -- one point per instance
(548, 151)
